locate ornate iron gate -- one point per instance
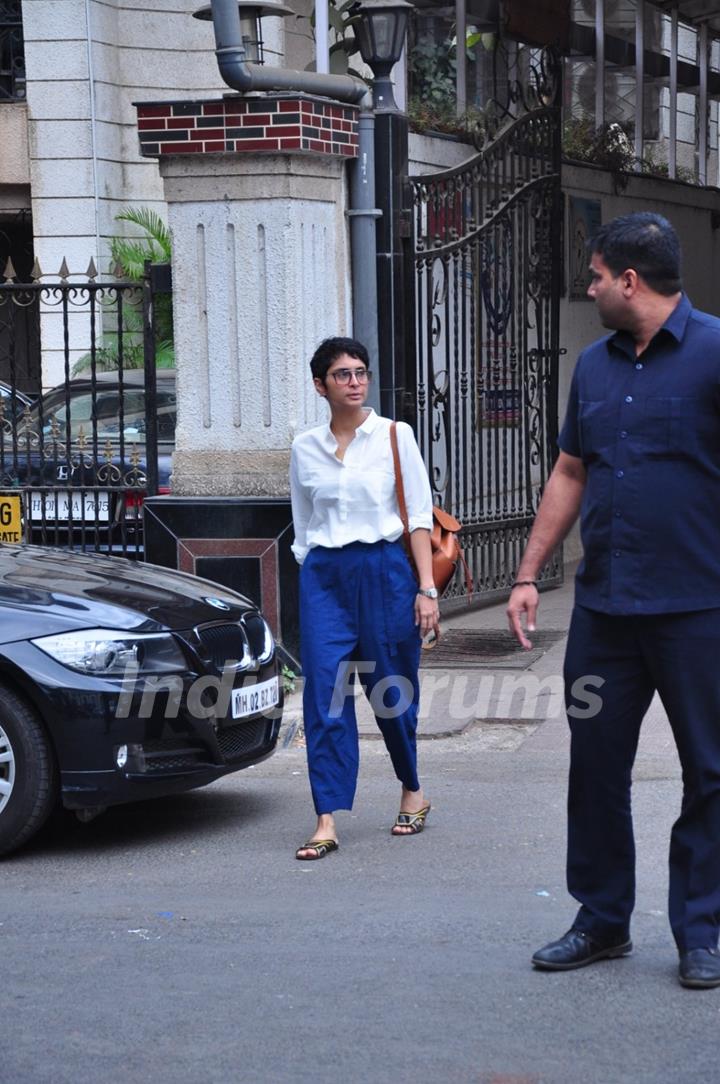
(79, 455)
(488, 280)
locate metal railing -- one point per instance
(77, 461)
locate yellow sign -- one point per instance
(10, 519)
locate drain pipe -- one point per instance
(363, 215)
(244, 77)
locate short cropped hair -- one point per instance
(330, 349)
(645, 242)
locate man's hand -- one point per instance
(523, 601)
(558, 511)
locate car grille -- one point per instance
(241, 739)
(241, 642)
(169, 755)
(223, 643)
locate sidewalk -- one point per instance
(501, 685)
(515, 688)
(503, 697)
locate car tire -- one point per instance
(28, 773)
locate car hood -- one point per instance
(45, 591)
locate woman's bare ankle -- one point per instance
(325, 827)
(412, 801)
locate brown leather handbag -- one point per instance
(446, 548)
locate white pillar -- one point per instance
(260, 276)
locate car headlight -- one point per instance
(260, 638)
(268, 645)
(108, 653)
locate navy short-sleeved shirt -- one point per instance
(647, 429)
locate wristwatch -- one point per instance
(428, 592)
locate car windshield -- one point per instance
(11, 404)
(78, 415)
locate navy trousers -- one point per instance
(357, 614)
(677, 655)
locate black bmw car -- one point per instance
(121, 681)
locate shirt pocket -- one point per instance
(694, 426)
(679, 426)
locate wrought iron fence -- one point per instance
(12, 51)
(78, 457)
(488, 280)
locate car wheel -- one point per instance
(28, 775)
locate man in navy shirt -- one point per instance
(640, 463)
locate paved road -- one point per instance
(179, 941)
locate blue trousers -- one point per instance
(357, 615)
(677, 655)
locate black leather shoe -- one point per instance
(578, 949)
(700, 968)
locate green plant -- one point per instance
(658, 167)
(432, 67)
(289, 678)
(609, 146)
(128, 257)
(427, 117)
(130, 253)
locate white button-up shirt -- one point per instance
(335, 502)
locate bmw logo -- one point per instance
(217, 603)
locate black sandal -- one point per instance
(414, 821)
(321, 848)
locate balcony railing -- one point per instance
(12, 53)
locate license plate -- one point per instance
(59, 504)
(10, 519)
(254, 698)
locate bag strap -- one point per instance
(399, 487)
(469, 585)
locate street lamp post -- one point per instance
(380, 34)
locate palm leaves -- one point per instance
(129, 255)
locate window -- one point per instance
(12, 54)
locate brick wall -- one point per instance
(274, 123)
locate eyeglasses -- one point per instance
(343, 376)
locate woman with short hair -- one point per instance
(361, 605)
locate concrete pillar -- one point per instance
(260, 275)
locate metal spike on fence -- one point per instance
(118, 271)
(9, 272)
(92, 270)
(64, 271)
(36, 272)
